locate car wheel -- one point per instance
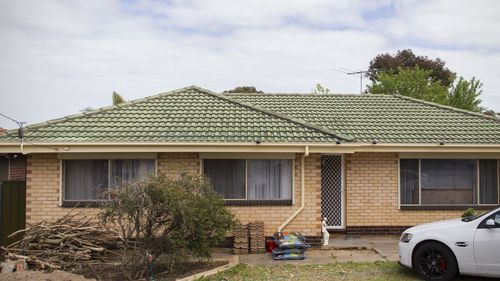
(434, 261)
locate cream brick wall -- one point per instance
(174, 164)
(42, 189)
(309, 221)
(372, 193)
(43, 192)
(43, 183)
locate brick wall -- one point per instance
(309, 221)
(42, 189)
(17, 168)
(372, 195)
(174, 164)
(42, 197)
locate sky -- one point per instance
(58, 57)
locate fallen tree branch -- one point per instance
(64, 243)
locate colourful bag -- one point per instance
(291, 256)
(277, 251)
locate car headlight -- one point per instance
(405, 237)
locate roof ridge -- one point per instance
(275, 114)
(292, 94)
(99, 110)
(447, 107)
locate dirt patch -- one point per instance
(113, 272)
(29, 275)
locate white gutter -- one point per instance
(302, 191)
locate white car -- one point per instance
(441, 250)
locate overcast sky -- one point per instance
(58, 57)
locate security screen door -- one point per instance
(332, 190)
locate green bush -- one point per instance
(171, 218)
(469, 213)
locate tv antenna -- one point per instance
(360, 73)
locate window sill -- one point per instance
(81, 204)
(451, 207)
(258, 202)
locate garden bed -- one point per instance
(113, 272)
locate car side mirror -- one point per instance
(490, 223)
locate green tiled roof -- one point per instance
(383, 118)
(190, 114)
(196, 115)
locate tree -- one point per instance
(465, 94)
(406, 59)
(320, 90)
(244, 89)
(412, 83)
(168, 218)
(117, 98)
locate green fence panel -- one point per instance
(13, 210)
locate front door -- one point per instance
(332, 191)
(487, 246)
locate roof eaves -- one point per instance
(451, 108)
(281, 116)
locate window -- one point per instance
(448, 182)
(228, 177)
(4, 168)
(251, 180)
(89, 180)
(488, 181)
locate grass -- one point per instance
(376, 271)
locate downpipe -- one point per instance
(302, 191)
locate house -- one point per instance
(371, 164)
(12, 167)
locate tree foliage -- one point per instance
(171, 218)
(417, 83)
(412, 83)
(406, 59)
(117, 98)
(244, 89)
(320, 90)
(465, 94)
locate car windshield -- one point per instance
(469, 219)
(473, 218)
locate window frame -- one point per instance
(420, 206)
(91, 202)
(249, 202)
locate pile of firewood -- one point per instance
(64, 243)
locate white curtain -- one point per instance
(127, 171)
(227, 177)
(269, 179)
(85, 179)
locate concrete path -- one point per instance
(385, 246)
(342, 249)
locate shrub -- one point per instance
(174, 218)
(469, 213)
